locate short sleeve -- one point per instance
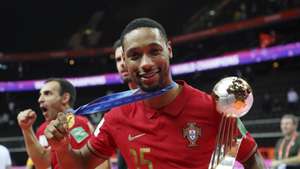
(247, 148)
(6, 155)
(102, 141)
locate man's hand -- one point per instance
(26, 119)
(57, 131)
(275, 163)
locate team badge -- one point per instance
(79, 134)
(70, 120)
(192, 133)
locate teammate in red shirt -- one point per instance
(175, 130)
(57, 95)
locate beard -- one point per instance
(126, 80)
(155, 87)
(150, 88)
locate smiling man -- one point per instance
(57, 95)
(176, 130)
(287, 149)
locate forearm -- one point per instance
(76, 159)
(254, 162)
(291, 160)
(39, 155)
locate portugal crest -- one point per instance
(192, 133)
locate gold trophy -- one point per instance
(234, 99)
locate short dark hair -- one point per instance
(65, 87)
(143, 23)
(117, 44)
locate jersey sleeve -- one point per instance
(247, 148)
(102, 141)
(80, 132)
(6, 155)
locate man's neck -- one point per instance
(164, 99)
(66, 108)
(132, 85)
(289, 136)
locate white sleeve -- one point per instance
(7, 159)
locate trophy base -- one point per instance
(227, 161)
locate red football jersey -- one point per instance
(179, 135)
(79, 133)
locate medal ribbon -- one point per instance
(118, 99)
(288, 147)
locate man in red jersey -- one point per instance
(123, 72)
(57, 95)
(177, 129)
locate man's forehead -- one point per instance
(49, 86)
(118, 51)
(287, 120)
(142, 36)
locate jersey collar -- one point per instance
(172, 109)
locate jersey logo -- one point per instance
(192, 133)
(79, 134)
(131, 138)
(70, 120)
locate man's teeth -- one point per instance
(147, 75)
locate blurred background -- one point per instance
(258, 40)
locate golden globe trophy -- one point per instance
(234, 99)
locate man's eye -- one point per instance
(134, 55)
(155, 51)
(47, 93)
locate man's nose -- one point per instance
(146, 62)
(40, 99)
(122, 63)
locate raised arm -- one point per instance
(39, 155)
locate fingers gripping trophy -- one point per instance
(234, 99)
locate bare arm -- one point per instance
(288, 161)
(57, 135)
(39, 155)
(254, 162)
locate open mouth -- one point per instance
(44, 109)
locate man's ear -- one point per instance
(170, 49)
(66, 98)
